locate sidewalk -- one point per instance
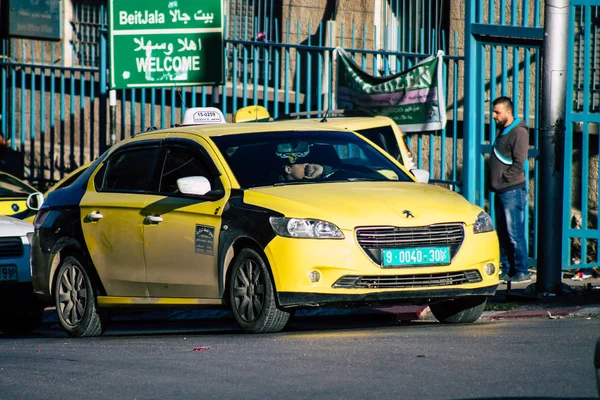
(580, 299)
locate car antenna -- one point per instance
(325, 117)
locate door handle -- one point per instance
(93, 217)
(153, 219)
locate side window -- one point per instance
(181, 163)
(129, 171)
(384, 137)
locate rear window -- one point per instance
(385, 138)
(11, 187)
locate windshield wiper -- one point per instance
(299, 182)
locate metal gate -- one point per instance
(582, 117)
(503, 41)
(57, 113)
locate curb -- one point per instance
(549, 313)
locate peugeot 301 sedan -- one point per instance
(208, 215)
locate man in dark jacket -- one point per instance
(507, 180)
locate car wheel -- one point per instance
(459, 311)
(75, 300)
(252, 296)
(25, 318)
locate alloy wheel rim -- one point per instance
(72, 295)
(249, 291)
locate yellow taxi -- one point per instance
(264, 218)
(13, 196)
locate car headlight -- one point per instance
(483, 223)
(305, 228)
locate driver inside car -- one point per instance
(299, 160)
(303, 170)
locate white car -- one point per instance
(20, 311)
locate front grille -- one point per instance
(373, 239)
(11, 247)
(407, 281)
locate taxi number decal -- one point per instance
(205, 239)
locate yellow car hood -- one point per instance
(351, 204)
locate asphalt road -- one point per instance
(343, 359)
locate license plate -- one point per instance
(415, 256)
(8, 273)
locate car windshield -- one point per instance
(11, 187)
(305, 157)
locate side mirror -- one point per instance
(421, 175)
(194, 185)
(35, 201)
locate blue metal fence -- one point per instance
(48, 110)
(294, 73)
(582, 140)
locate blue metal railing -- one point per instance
(581, 169)
(55, 110)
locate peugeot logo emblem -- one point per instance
(408, 214)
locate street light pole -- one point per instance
(551, 144)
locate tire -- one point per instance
(252, 296)
(24, 318)
(459, 311)
(75, 300)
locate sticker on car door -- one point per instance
(205, 239)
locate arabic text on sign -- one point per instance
(155, 17)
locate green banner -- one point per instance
(157, 43)
(414, 98)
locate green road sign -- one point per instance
(165, 43)
(33, 19)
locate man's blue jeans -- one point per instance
(510, 225)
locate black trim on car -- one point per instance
(61, 230)
(71, 195)
(293, 299)
(241, 220)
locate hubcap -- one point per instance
(249, 291)
(72, 295)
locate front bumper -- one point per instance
(348, 275)
(288, 299)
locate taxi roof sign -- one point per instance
(203, 116)
(252, 114)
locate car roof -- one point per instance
(352, 123)
(213, 130)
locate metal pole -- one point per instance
(551, 140)
(471, 119)
(112, 102)
(103, 90)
